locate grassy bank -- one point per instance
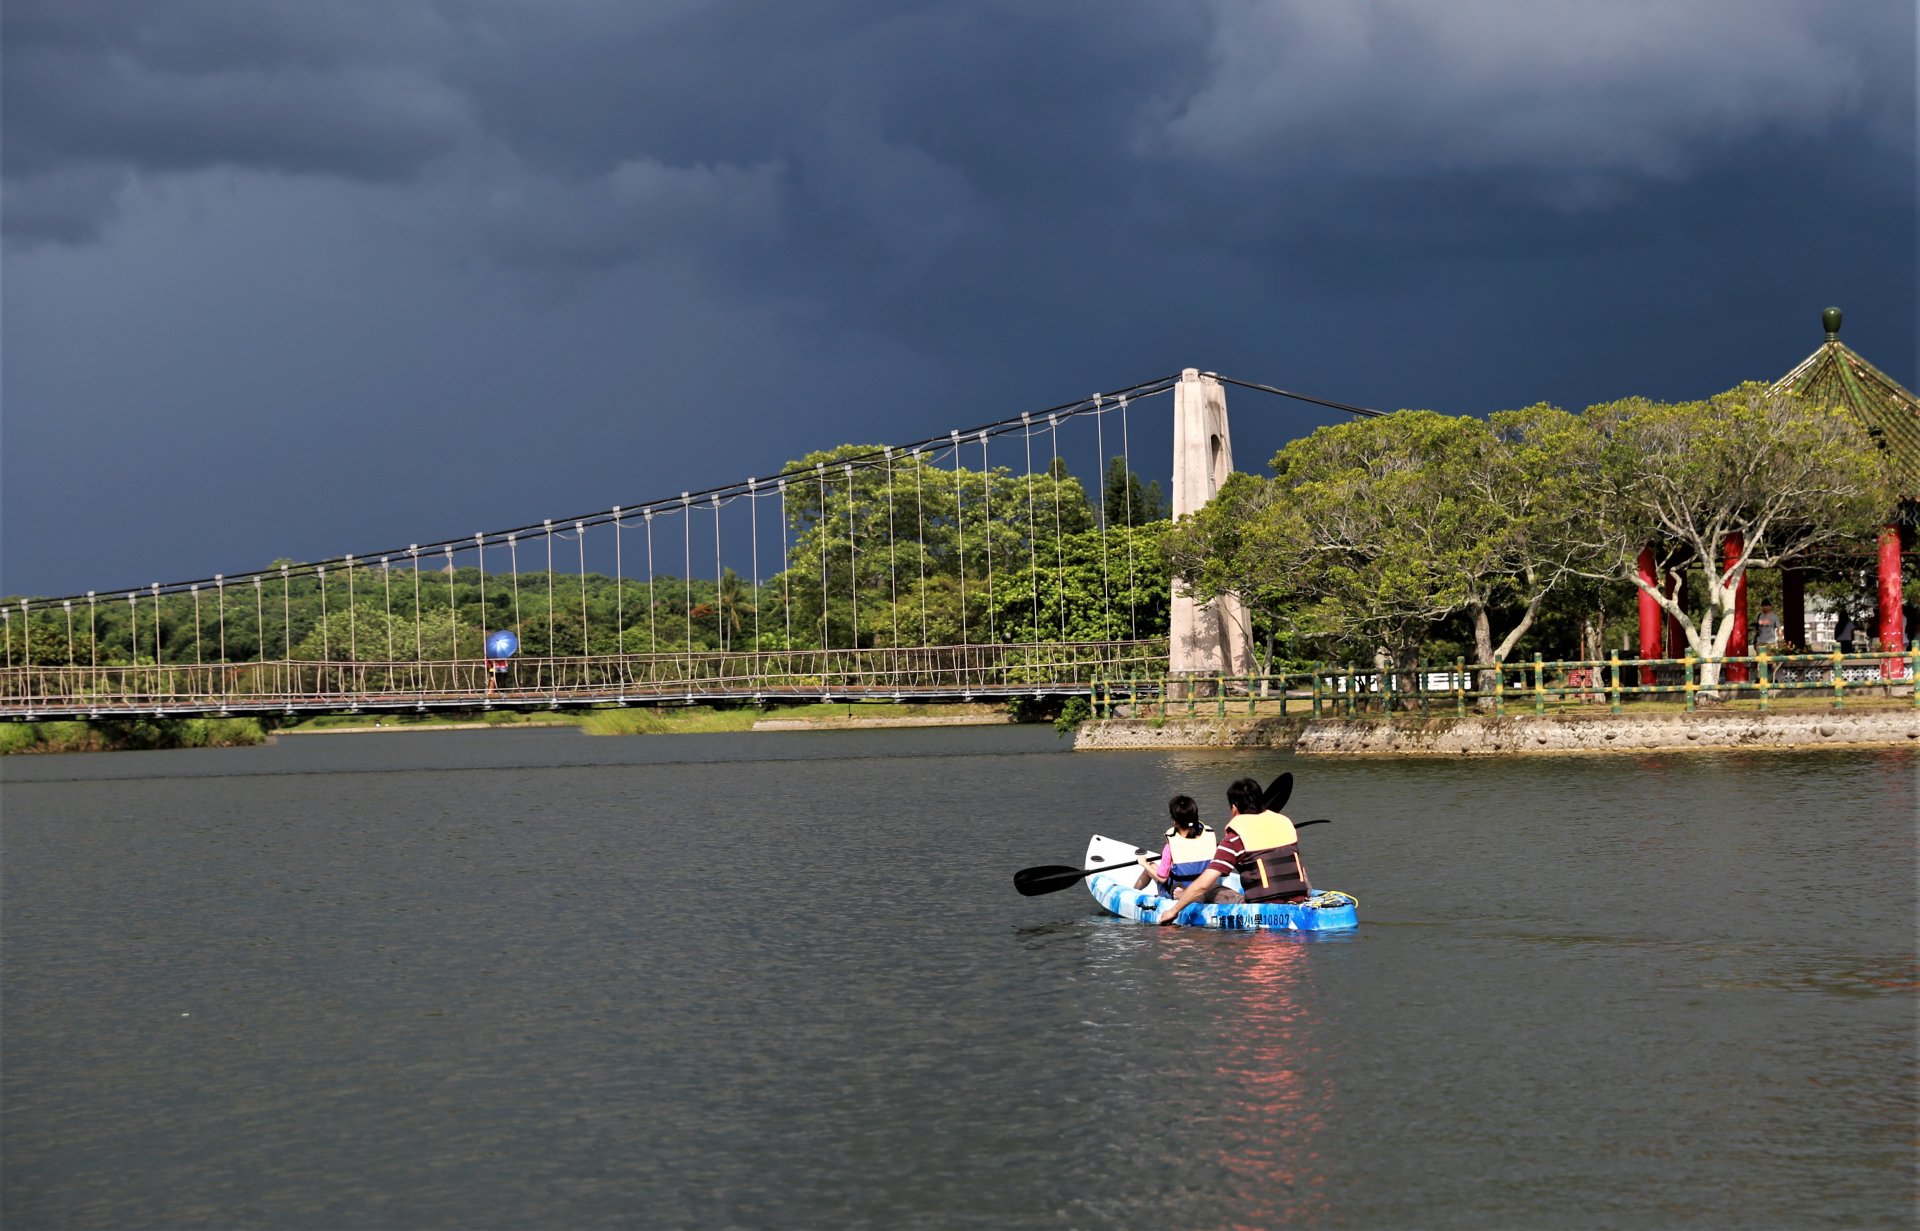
(643, 720)
(111, 735)
(116, 734)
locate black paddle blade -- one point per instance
(1277, 794)
(1049, 878)
(1032, 882)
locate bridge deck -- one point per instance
(929, 674)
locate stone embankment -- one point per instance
(1488, 736)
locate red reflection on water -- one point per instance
(1270, 1058)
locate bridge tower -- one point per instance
(1211, 638)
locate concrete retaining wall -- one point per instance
(1482, 736)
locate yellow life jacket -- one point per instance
(1190, 856)
(1269, 864)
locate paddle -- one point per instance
(1051, 878)
(1276, 796)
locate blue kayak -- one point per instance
(1325, 911)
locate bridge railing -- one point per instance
(1500, 686)
(956, 671)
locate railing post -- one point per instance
(1349, 707)
(1163, 697)
(1316, 690)
(1460, 687)
(1499, 688)
(1839, 681)
(1220, 694)
(1539, 687)
(1764, 661)
(1688, 684)
(1913, 665)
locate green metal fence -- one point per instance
(1459, 686)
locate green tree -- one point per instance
(1768, 471)
(1114, 587)
(1373, 532)
(1129, 502)
(889, 547)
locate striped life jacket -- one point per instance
(1190, 857)
(1269, 867)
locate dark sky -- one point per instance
(299, 279)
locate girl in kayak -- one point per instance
(1190, 845)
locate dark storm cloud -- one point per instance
(888, 133)
(1576, 94)
(389, 215)
(98, 92)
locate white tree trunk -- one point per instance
(1709, 635)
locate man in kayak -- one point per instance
(1261, 846)
(1190, 846)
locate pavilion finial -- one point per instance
(1830, 321)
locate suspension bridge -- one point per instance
(965, 566)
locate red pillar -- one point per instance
(1893, 634)
(1793, 609)
(1736, 673)
(1649, 611)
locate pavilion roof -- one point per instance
(1836, 375)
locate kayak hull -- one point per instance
(1324, 912)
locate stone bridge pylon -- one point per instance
(1211, 638)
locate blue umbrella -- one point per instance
(502, 644)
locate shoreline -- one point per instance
(1522, 735)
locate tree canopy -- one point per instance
(1376, 531)
(1751, 478)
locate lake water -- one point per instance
(540, 979)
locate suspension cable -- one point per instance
(686, 561)
(1033, 536)
(920, 520)
(1100, 446)
(893, 562)
(580, 531)
(786, 569)
(960, 522)
(419, 641)
(353, 618)
(653, 628)
(986, 506)
(480, 549)
(1056, 472)
(820, 529)
(719, 577)
(513, 563)
(753, 519)
(1126, 464)
(453, 616)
